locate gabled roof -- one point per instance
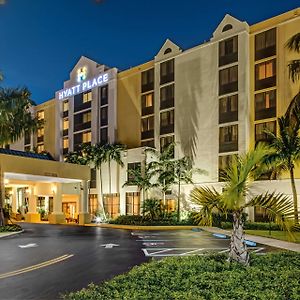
(45, 156)
(168, 49)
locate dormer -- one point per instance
(228, 27)
(168, 50)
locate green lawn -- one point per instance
(280, 235)
(271, 276)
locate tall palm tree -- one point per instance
(163, 168)
(287, 154)
(94, 156)
(183, 173)
(113, 152)
(293, 45)
(15, 120)
(242, 171)
(142, 179)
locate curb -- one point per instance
(10, 233)
(138, 227)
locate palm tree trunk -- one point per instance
(101, 193)
(110, 198)
(295, 200)
(2, 219)
(238, 249)
(178, 201)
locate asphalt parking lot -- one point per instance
(159, 244)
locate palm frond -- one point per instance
(210, 201)
(279, 208)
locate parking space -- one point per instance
(160, 244)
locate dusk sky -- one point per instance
(41, 40)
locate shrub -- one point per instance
(253, 226)
(169, 219)
(10, 228)
(273, 276)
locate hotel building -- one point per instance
(214, 100)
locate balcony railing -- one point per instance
(228, 59)
(167, 129)
(228, 146)
(147, 134)
(82, 126)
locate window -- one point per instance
(27, 148)
(40, 148)
(93, 181)
(87, 117)
(27, 138)
(149, 143)
(262, 129)
(167, 71)
(104, 115)
(104, 136)
(40, 132)
(147, 128)
(148, 104)
(87, 97)
(93, 204)
(65, 143)
(166, 141)
(265, 105)
(168, 50)
(65, 105)
(227, 27)
(104, 95)
(133, 166)
(167, 96)
(228, 51)
(148, 80)
(224, 162)
(132, 203)
(40, 115)
(167, 122)
(228, 109)
(228, 80)
(87, 137)
(265, 74)
(265, 44)
(167, 118)
(112, 205)
(66, 124)
(228, 138)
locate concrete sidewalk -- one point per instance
(260, 239)
(6, 234)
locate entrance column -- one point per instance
(57, 216)
(84, 216)
(14, 202)
(32, 215)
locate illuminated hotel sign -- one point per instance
(83, 86)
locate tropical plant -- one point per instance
(236, 196)
(162, 167)
(142, 178)
(287, 154)
(293, 45)
(113, 152)
(15, 119)
(92, 155)
(183, 173)
(152, 207)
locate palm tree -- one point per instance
(163, 168)
(113, 152)
(15, 120)
(242, 171)
(293, 45)
(142, 179)
(287, 154)
(183, 173)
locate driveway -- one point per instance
(47, 260)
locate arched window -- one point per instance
(227, 27)
(168, 50)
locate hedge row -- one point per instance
(253, 226)
(10, 228)
(273, 276)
